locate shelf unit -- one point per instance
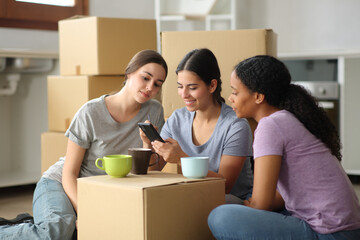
(22, 120)
(348, 77)
(27, 53)
(206, 13)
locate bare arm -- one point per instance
(266, 174)
(71, 170)
(278, 203)
(230, 168)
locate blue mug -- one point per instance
(195, 167)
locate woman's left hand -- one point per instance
(170, 150)
(144, 138)
(247, 202)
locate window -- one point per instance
(27, 14)
(64, 3)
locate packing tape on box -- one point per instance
(78, 70)
(67, 123)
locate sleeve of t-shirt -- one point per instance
(268, 139)
(238, 141)
(80, 127)
(166, 129)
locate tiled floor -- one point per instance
(15, 200)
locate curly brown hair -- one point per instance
(269, 76)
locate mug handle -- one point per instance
(102, 163)
(157, 159)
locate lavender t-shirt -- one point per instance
(312, 181)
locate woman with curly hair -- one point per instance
(297, 163)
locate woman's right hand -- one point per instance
(170, 150)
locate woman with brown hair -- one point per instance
(102, 126)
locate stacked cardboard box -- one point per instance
(53, 146)
(94, 53)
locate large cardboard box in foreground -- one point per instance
(53, 146)
(229, 47)
(156, 206)
(66, 94)
(102, 46)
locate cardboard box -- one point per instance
(66, 94)
(102, 46)
(156, 206)
(53, 146)
(229, 47)
(171, 168)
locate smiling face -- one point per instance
(146, 82)
(243, 101)
(195, 93)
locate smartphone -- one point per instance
(150, 132)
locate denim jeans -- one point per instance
(54, 215)
(230, 222)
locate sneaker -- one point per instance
(21, 218)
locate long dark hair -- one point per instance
(142, 58)
(203, 62)
(269, 76)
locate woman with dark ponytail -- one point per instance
(300, 188)
(206, 126)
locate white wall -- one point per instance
(308, 25)
(48, 40)
(122, 8)
(16, 38)
(302, 25)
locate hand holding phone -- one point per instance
(150, 132)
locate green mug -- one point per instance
(115, 165)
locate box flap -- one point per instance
(139, 181)
(74, 17)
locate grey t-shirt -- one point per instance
(94, 129)
(232, 136)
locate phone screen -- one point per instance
(150, 132)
